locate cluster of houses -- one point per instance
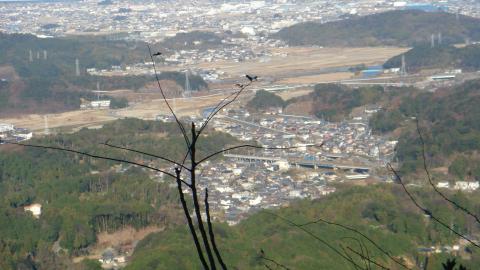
(258, 179)
(129, 20)
(237, 189)
(349, 139)
(9, 132)
(467, 186)
(95, 104)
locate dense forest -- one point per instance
(48, 83)
(334, 102)
(425, 57)
(80, 196)
(383, 213)
(265, 100)
(392, 28)
(449, 122)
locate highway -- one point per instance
(300, 162)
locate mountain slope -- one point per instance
(393, 28)
(383, 213)
(449, 123)
(82, 197)
(46, 81)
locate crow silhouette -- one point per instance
(251, 77)
(157, 54)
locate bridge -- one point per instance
(298, 162)
(255, 125)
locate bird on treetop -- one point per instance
(251, 77)
(157, 54)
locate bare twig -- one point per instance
(426, 211)
(357, 267)
(145, 153)
(217, 109)
(257, 147)
(425, 167)
(268, 267)
(366, 258)
(222, 105)
(362, 246)
(180, 125)
(277, 264)
(93, 156)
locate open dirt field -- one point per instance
(124, 239)
(146, 109)
(286, 61)
(317, 78)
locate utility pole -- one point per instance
(403, 69)
(77, 67)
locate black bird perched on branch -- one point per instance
(157, 54)
(251, 78)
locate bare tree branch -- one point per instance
(366, 258)
(196, 203)
(357, 267)
(219, 106)
(426, 211)
(180, 125)
(212, 114)
(257, 147)
(92, 156)
(277, 264)
(189, 220)
(268, 267)
(145, 153)
(425, 167)
(362, 251)
(210, 232)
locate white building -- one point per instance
(6, 127)
(283, 165)
(466, 186)
(443, 185)
(100, 104)
(35, 209)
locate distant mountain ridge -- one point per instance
(425, 57)
(392, 28)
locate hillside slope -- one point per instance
(449, 123)
(82, 197)
(383, 213)
(46, 81)
(393, 28)
(425, 57)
